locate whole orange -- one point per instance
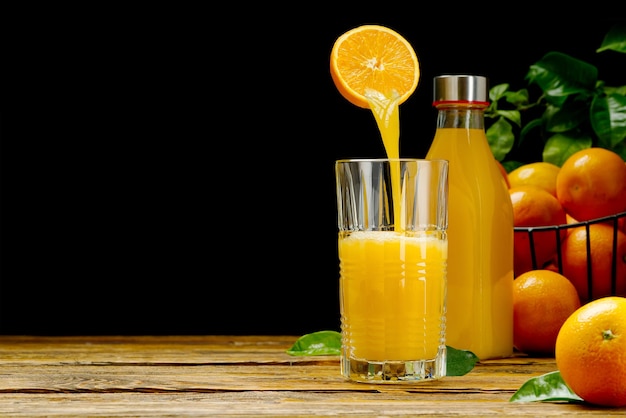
(541, 174)
(592, 184)
(542, 301)
(576, 263)
(533, 206)
(590, 351)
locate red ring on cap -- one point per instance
(476, 102)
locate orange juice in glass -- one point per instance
(392, 246)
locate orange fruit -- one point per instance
(570, 221)
(590, 352)
(541, 174)
(621, 222)
(532, 207)
(542, 301)
(505, 175)
(373, 57)
(592, 184)
(575, 261)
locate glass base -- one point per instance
(408, 371)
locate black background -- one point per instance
(171, 171)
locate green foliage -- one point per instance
(459, 362)
(320, 343)
(549, 387)
(575, 109)
(328, 343)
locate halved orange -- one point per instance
(373, 57)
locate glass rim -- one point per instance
(383, 160)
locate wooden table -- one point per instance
(239, 376)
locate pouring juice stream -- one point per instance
(387, 115)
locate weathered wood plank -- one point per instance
(239, 376)
(103, 378)
(159, 349)
(280, 403)
(110, 364)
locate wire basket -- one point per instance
(611, 220)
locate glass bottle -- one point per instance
(479, 314)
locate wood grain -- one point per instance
(239, 376)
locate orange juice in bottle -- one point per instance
(479, 314)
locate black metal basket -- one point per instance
(612, 220)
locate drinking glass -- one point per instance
(393, 248)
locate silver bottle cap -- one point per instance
(455, 88)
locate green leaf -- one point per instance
(560, 75)
(460, 362)
(328, 343)
(517, 98)
(512, 165)
(561, 119)
(619, 90)
(320, 343)
(560, 146)
(549, 387)
(615, 39)
(512, 115)
(497, 92)
(500, 137)
(608, 119)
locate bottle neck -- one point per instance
(465, 116)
